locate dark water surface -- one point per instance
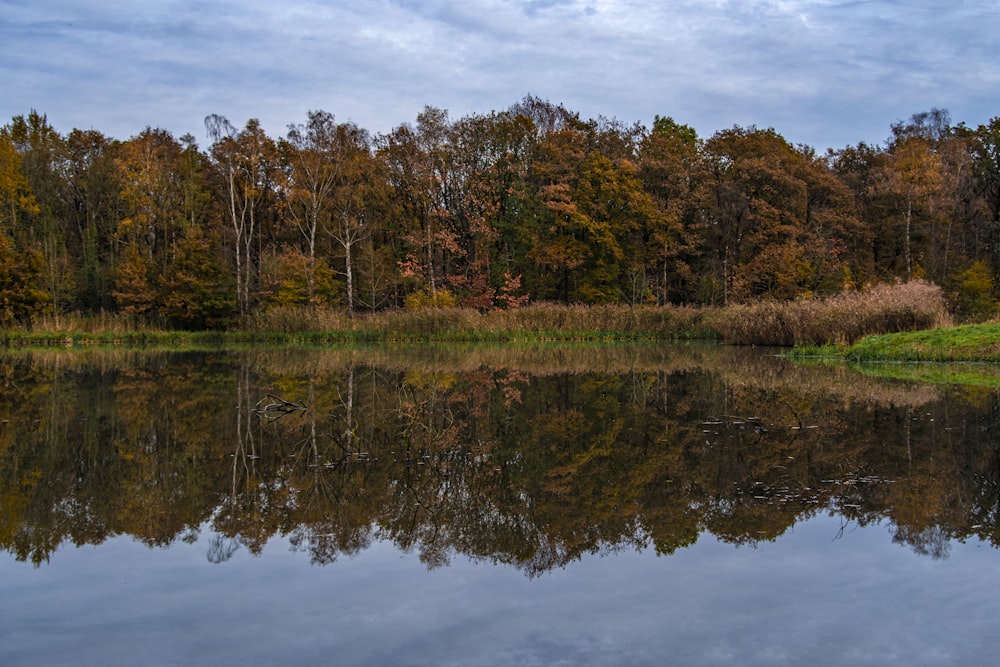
(492, 506)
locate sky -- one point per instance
(825, 73)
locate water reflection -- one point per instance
(529, 457)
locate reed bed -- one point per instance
(537, 322)
(839, 320)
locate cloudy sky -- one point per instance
(827, 73)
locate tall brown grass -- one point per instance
(540, 321)
(75, 323)
(842, 319)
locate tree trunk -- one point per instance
(349, 271)
(906, 241)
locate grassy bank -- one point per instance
(974, 342)
(842, 319)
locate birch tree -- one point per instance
(312, 154)
(355, 178)
(245, 162)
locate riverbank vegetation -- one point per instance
(843, 318)
(510, 221)
(973, 342)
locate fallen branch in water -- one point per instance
(278, 405)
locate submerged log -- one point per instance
(276, 408)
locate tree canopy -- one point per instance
(486, 211)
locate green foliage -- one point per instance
(21, 278)
(975, 293)
(290, 279)
(962, 374)
(197, 292)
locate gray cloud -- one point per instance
(825, 73)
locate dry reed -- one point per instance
(842, 319)
(541, 321)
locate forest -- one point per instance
(487, 211)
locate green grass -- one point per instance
(954, 356)
(810, 351)
(973, 342)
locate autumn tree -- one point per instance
(488, 157)
(313, 158)
(913, 177)
(956, 240)
(21, 293)
(555, 221)
(620, 216)
(833, 238)
(586, 206)
(16, 197)
(419, 169)
(193, 167)
(136, 284)
(754, 211)
(94, 215)
(487, 211)
(671, 169)
(245, 164)
(152, 194)
(986, 165)
(43, 230)
(357, 185)
(859, 168)
(196, 290)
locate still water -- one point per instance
(492, 506)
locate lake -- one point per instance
(492, 505)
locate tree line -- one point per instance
(532, 203)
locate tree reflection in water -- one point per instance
(529, 457)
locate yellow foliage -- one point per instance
(15, 190)
(441, 298)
